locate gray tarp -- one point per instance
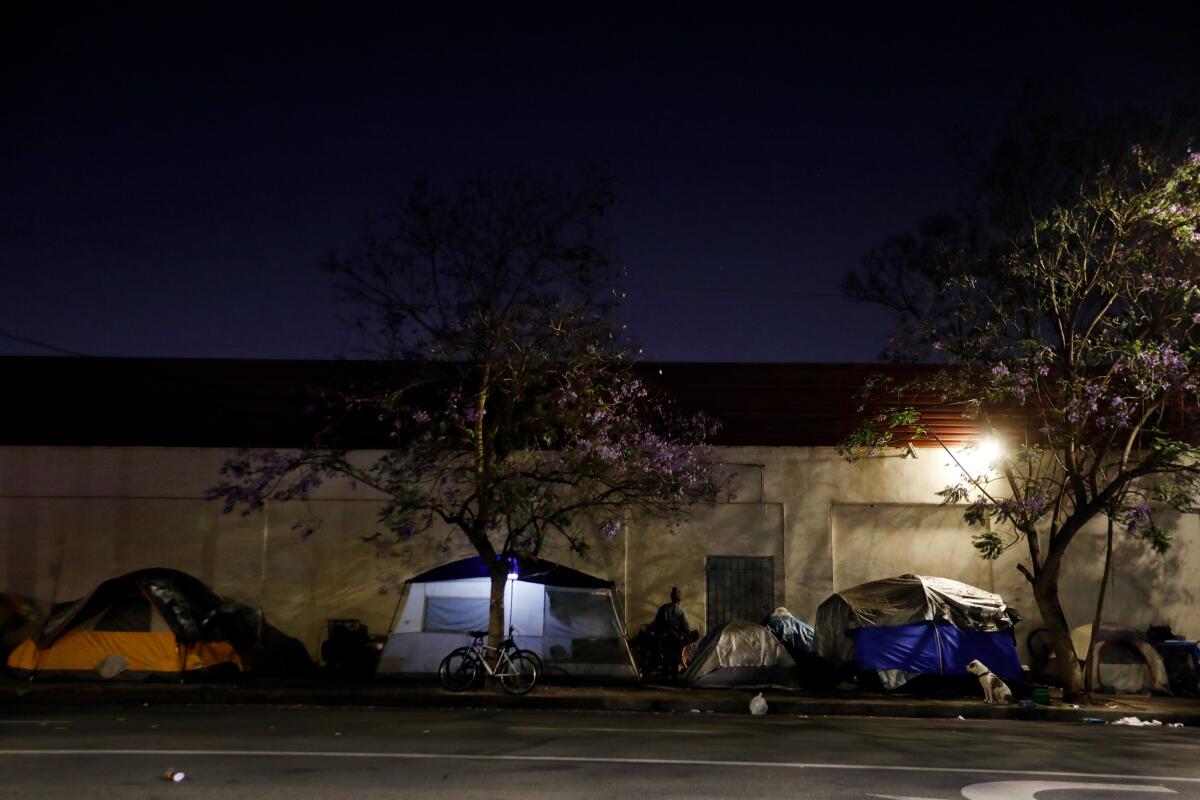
(906, 600)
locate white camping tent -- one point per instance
(741, 654)
(566, 616)
(1125, 663)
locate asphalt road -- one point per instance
(299, 753)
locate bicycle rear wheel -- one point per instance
(460, 670)
(520, 675)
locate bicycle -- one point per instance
(510, 646)
(517, 670)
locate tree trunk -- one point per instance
(1045, 591)
(496, 632)
(1091, 653)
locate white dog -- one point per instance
(994, 689)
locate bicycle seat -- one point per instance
(478, 634)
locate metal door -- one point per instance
(740, 587)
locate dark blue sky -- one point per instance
(171, 177)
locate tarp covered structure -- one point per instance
(149, 624)
(566, 616)
(796, 634)
(743, 654)
(1125, 661)
(915, 624)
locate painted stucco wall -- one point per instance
(70, 517)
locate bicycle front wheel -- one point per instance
(520, 675)
(532, 656)
(459, 670)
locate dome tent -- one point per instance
(567, 617)
(914, 624)
(742, 654)
(147, 624)
(1125, 661)
(152, 624)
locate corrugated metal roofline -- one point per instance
(261, 403)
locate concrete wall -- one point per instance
(70, 517)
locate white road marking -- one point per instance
(1027, 790)
(672, 762)
(609, 730)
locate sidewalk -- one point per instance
(16, 694)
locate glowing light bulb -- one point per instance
(990, 450)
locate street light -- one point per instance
(990, 450)
(977, 459)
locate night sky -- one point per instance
(171, 177)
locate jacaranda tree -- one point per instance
(511, 411)
(1075, 323)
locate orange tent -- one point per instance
(154, 623)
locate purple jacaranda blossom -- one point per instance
(1135, 517)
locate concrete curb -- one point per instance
(559, 698)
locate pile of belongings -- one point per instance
(796, 634)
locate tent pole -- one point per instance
(391, 629)
(625, 638)
(508, 606)
(262, 576)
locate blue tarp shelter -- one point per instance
(915, 624)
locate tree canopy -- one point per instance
(1070, 320)
(513, 414)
